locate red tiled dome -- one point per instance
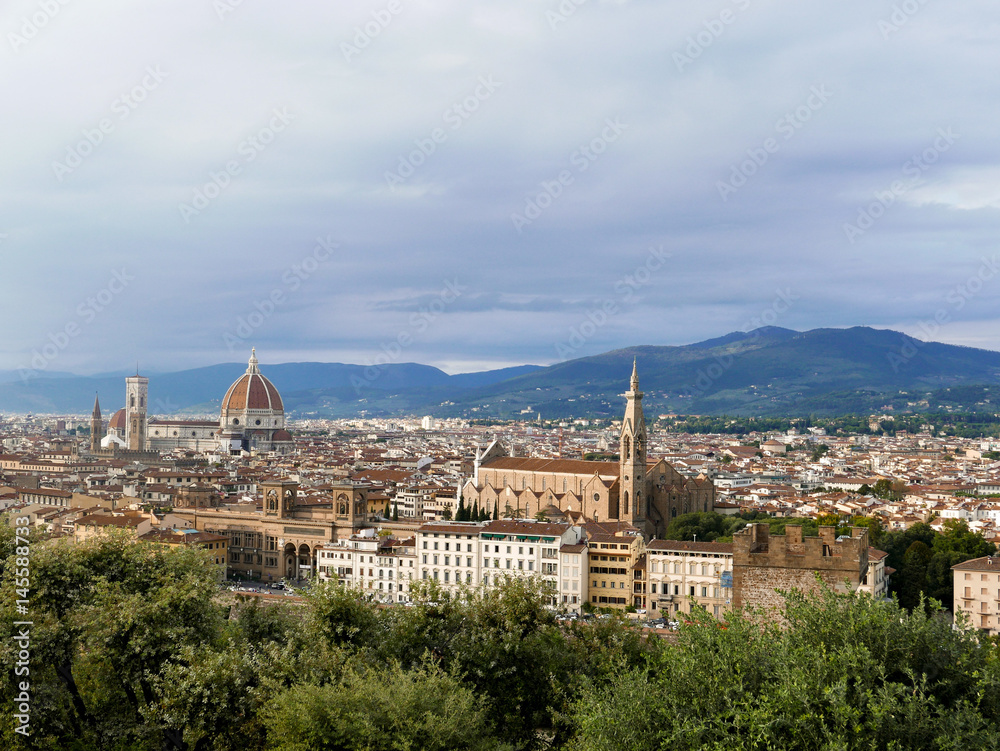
(252, 391)
(117, 421)
(282, 435)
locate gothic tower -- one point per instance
(96, 427)
(632, 502)
(136, 393)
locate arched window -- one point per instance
(625, 505)
(626, 449)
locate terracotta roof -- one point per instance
(186, 423)
(987, 563)
(525, 527)
(471, 528)
(252, 391)
(682, 546)
(117, 420)
(554, 466)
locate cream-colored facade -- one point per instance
(383, 568)
(682, 575)
(977, 593)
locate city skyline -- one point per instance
(476, 184)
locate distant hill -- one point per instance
(202, 389)
(769, 371)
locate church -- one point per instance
(646, 494)
(251, 418)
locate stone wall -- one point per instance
(764, 563)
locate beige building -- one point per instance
(280, 539)
(684, 574)
(94, 525)
(190, 538)
(615, 565)
(977, 593)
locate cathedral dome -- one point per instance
(252, 391)
(117, 421)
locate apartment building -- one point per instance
(470, 553)
(977, 593)
(614, 564)
(681, 575)
(380, 566)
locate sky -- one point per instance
(479, 184)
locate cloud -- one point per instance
(368, 89)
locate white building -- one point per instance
(379, 566)
(469, 553)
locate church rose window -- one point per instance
(236, 421)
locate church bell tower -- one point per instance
(632, 502)
(96, 427)
(136, 394)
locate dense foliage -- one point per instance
(137, 647)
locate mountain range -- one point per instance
(767, 371)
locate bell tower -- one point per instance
(632, 502)
(279, 497)
(96, 427)
(136, 395)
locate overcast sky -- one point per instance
(478, 184)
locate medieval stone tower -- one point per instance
(136, 394)
(632, 447)
(96, 427)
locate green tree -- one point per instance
(845, 671)
(382, 709)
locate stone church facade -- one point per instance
(644, 493)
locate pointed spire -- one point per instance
(635, 375)
(97, 407)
